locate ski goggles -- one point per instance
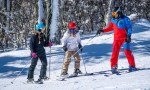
(114, 13)
(72, 30)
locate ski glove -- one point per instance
(33, 54)
(80, 47)
(99, 32)
(128, 39)
(50, 44)
(65, 48)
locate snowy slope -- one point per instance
(96, 54)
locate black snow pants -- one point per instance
(33, 65)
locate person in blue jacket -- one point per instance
(122, 27)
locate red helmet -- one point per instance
(72, 25)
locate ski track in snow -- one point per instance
(96, 54)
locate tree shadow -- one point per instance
(96, 51)
(7, 71)
(121, 71)
(137, 28)
(108, 72)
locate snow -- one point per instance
(132, 16)
(143, 22)
(96, 53)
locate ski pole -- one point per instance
(19, 74)
(88, 42)
(50, 62)
(83, 63)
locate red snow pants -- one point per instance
(116, 49)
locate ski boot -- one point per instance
(39, 81)
(76, 72)
(63, 76)
(30, 80)
(45, 78)
(114, 70)
(132, 69)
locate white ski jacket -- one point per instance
(71, 41)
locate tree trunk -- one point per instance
(48, 18)
(40, 11)
(8, 20)
(35, 13)
(8, 14)
(108, 16)
(54, 20)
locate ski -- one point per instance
(29, 82)
(73, 75)
(33, 82)
(85, 74)
(38, 82)
(119, 73)
(109, 74)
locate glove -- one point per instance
(80, 47)
(33, 54)
(50, 44)
(99, 32)
(65, 48)
(128, 39)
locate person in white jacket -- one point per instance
(71, 44)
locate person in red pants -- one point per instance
(122, 36)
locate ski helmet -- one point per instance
(72, 25)
(39, 26)
(117, 11)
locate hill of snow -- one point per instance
(96, 53)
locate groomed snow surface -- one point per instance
(96, 55)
